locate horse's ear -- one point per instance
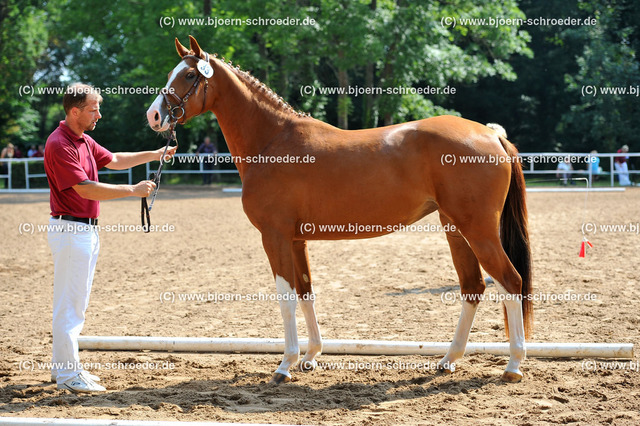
(182, 51)
(195, 47)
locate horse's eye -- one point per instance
(190, 75)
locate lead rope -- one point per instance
(206, 71)
(144, 207)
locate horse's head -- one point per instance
(185, 94)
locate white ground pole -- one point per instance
(350, 347)
(22, 421)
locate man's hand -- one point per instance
(143, 189)
(126, 160)
(171, 151)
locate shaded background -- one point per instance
(527, 78)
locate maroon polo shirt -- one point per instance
(68, 160)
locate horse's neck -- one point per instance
(248, 117)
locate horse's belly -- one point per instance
(354, 222)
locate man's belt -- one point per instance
(87, 220)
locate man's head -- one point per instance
(207, 140)
(625, 148)
(81, 104)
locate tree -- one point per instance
(390, 46)
(22, 40)
(605, 109)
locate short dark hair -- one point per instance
(76, 96)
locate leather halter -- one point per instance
(181, 102)
(173, 120)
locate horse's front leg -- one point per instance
(307, 304)
(279, 252)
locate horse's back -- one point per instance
(441, 134)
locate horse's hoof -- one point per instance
(279, 378)
(511, 377)
(446, 368)
(307, 366)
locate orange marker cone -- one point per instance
(583, 247)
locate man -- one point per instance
(72, 160)
(207, 148)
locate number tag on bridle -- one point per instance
(205, 68)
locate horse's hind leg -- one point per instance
(508, 282)
(471, 287)
(307, 304)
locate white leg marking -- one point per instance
(288, 301)
(315, 339)
(517, 347)
(461, 336)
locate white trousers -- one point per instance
(623, 173)
(75, 248)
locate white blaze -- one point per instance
(156, 106)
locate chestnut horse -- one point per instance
(377, 177)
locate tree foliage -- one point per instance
(528, 78)
(23, 34)
(607, 60)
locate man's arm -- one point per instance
(104, 191)
(126, 160)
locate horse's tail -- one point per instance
(514, 234)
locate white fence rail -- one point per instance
(200, 160)
(536, 163)
(530, 159)
(8, 172)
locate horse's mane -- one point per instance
(259, 87)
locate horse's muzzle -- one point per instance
(157, 116)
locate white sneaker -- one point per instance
(81, 384)
(93, 377)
